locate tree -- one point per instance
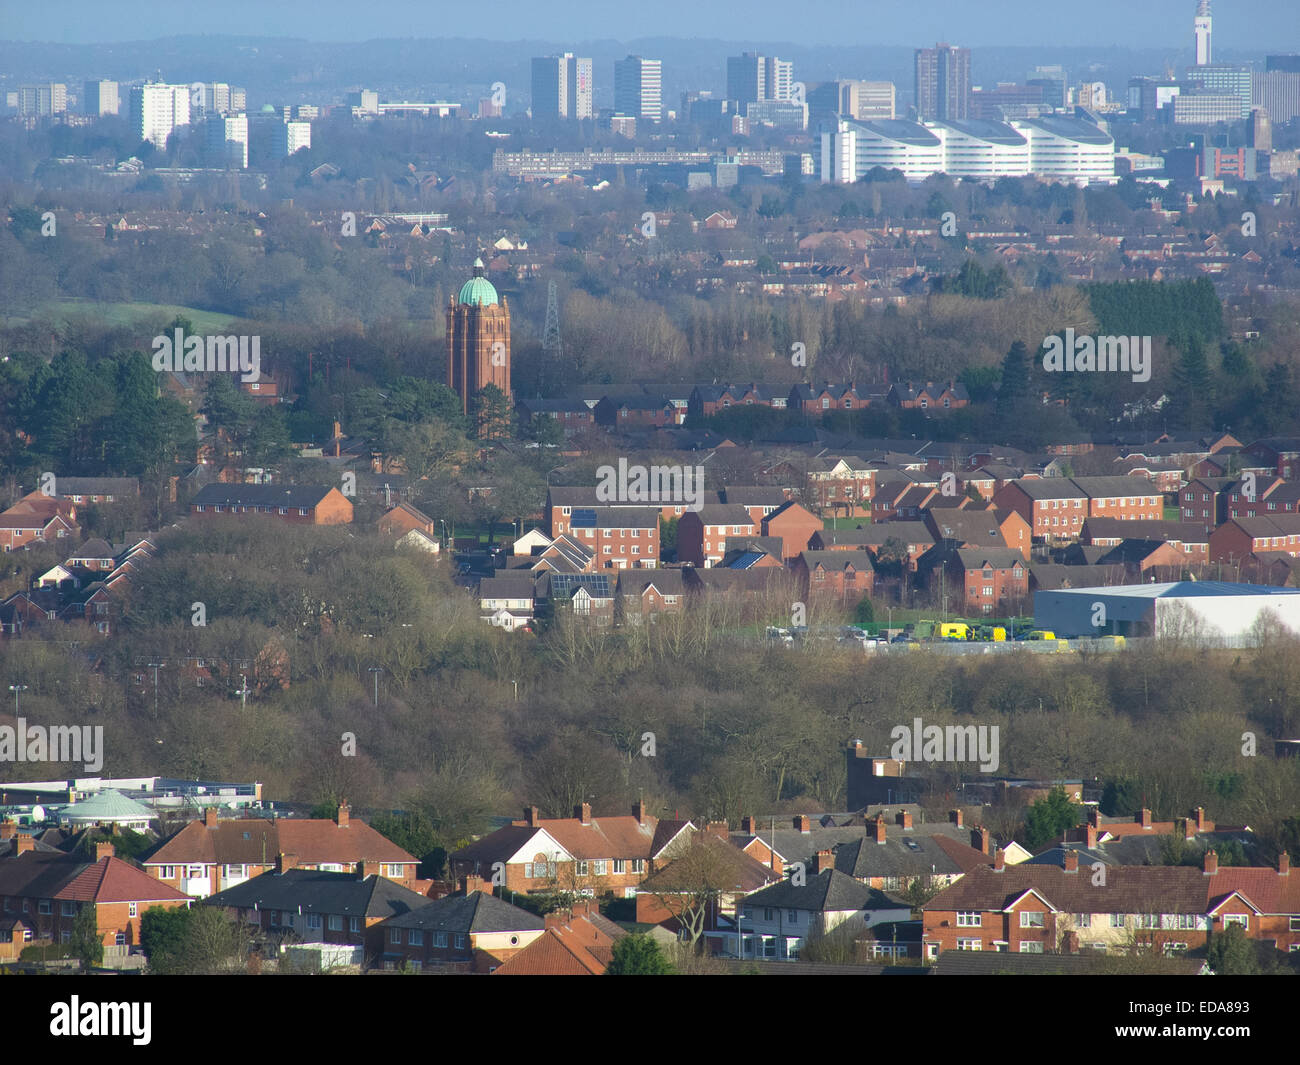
(864, 613)
(1048, 818)
(1231, 953)
(638, 955)
(1015, 377)
(87, 945)
(490, 410)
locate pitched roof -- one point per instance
(312, 891)
(113, 880)
(1128, 889)
(474, 912)
(255, 841)
(579, 946)
(827, 891)
(260, 495)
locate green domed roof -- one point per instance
(478, 289)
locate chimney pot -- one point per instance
(979, 839)
(999, 860)
(802, 823)
(638, 811)
(1092, 836)
(1144, 817)
(1211, 862)
(344, 814)
(24, 843)
(880, 828)
(285, 862)
(824, 860)
(8, 829)
(749, 825)
(904, 818)
(955, 816)
(583, 813)
(532, 818)
(1071, 861)
(1284, 864)
(718, 829)
(104, 849)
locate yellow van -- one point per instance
(999, 634)
(954, 630)
(1040, 634)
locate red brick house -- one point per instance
(469, 931)
(211, 855)
(643, 594)
(37, 519)
(403, 518)
(1237, 538)
(41, 894)
(794, 525)
(576, 942)
(294, 504)
(843, 577)
(1056, 507)
(701, 534)
(618, 537)
(985, 580)
(1034, 909)
(842, 484)
(584, 854)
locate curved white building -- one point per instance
(1055, 147)
(982, 149)
(1071, 149)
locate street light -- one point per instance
(242, 691)
(155, 666)
(16, 688)
(376, 671)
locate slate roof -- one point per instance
(260, 495)
(1128, 889)
(312, 891)
(827, 891)
(864, 858)
(475, 912)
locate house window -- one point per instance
(313, 920)
(395, 936)
(1117, 920)
(354, 924)
(1031, 947)
(1083, 920)
(638, 864)
(970, 920)
(1031, 919)
(69, 909)
(44, 906)
(194, 872)
(440, 939)
(767, 914)
(460, 942)
(336, 922)
(600, 868)
(235, 870)
(1236, 918)
(133, 909)
(620, 865)
(415, 938)
(792, 916)
(969, 944)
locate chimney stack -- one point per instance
(904, 818)
(880, 828)
(210, 817)
(285, 862)
(802, 823)
(1144, 818)
(749, 825)
(638, 811)
(979, 839)
(532, 818)
(1211, 862)
(104, 849)
(342, 816)
(8, 829)
(1201, 824)
(718, 829)
(999, 861)
(1094, 817)
(1284, 864)
(24, 843)
(1092, 836)
(583, 813)
(470, 883)
(955, 816)
(823, 861)
(365, 869)
(1071, 861)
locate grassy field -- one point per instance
(130, 314)
(1173, 514)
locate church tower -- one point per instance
(478, 339)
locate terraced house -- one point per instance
(1036, 909)
(582, 854)
(211, 855)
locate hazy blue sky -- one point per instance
(1258, 25)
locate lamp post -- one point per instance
(375, 671)
(155, 666)
(16, 689)
(243, 691)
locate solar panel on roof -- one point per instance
(584, 518)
